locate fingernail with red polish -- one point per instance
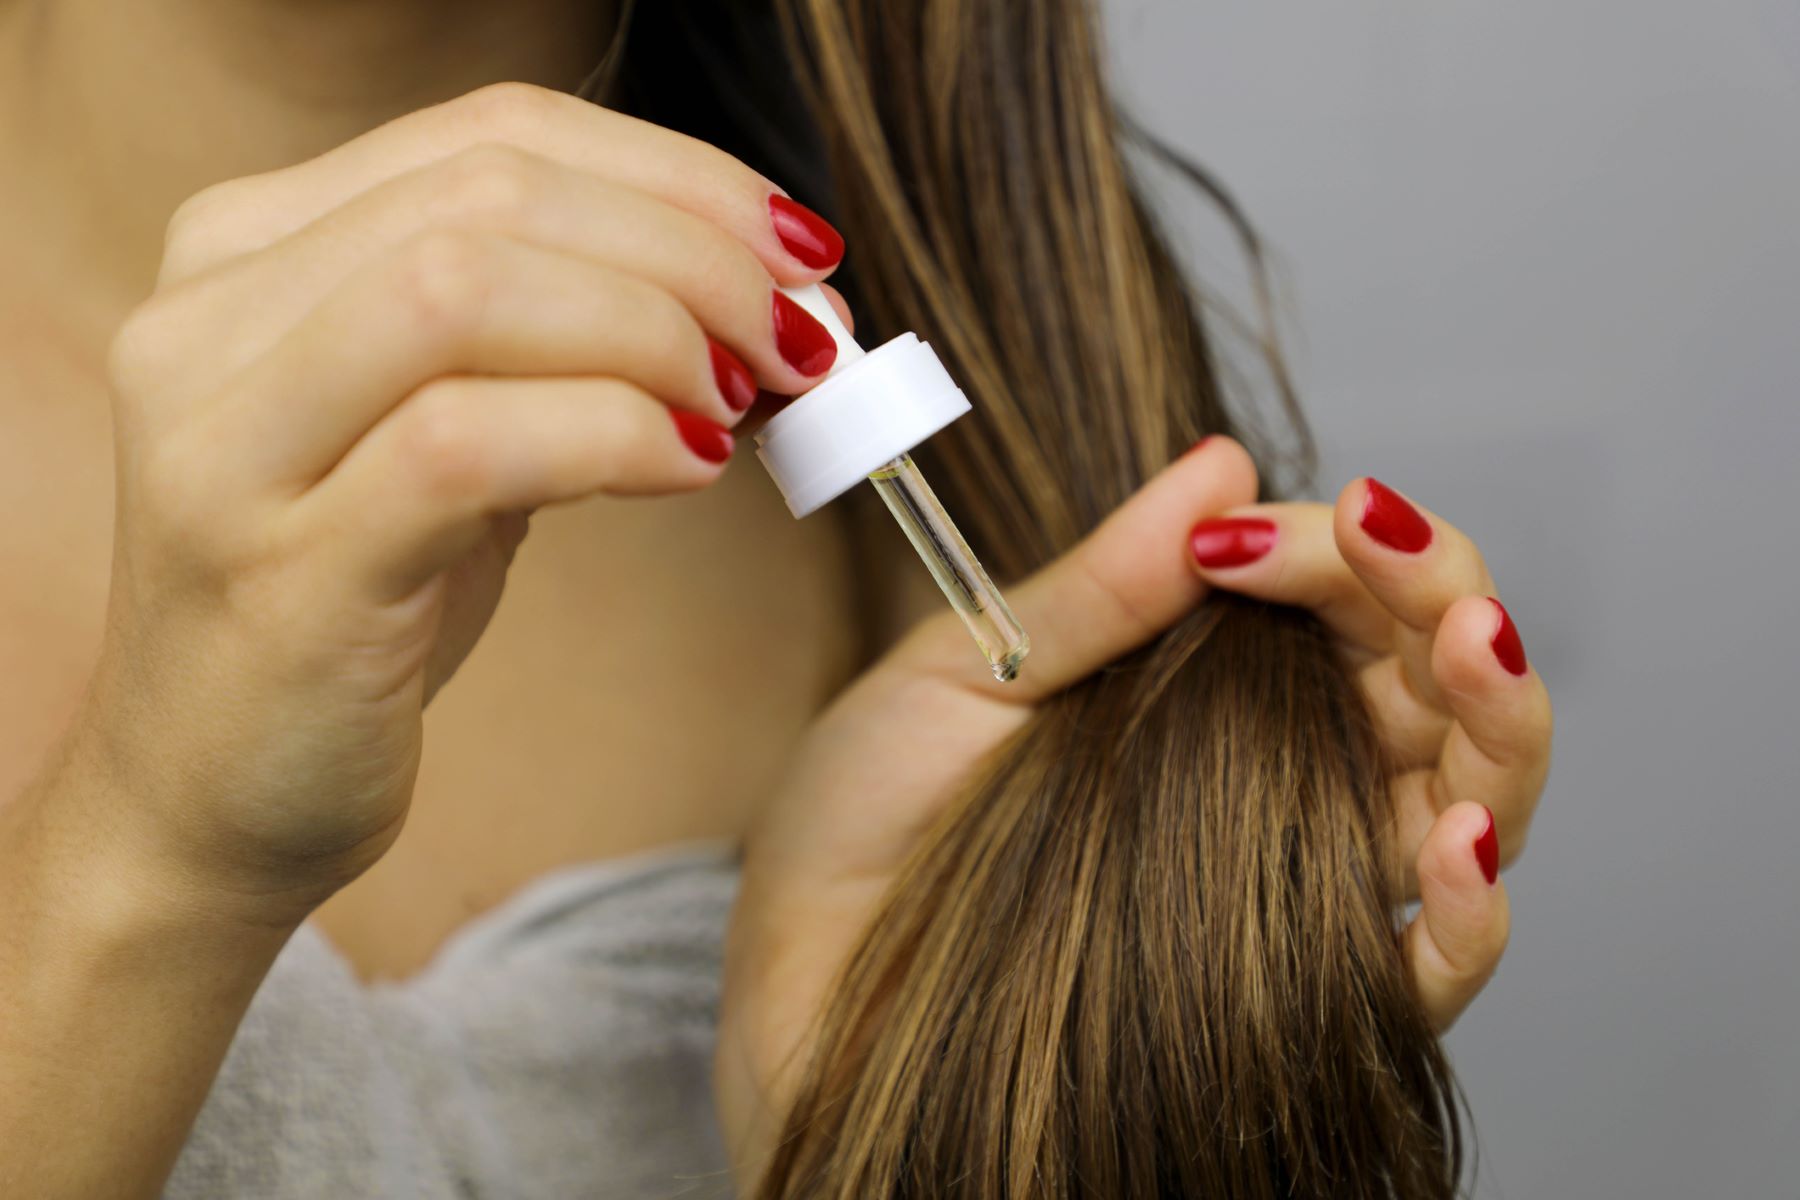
(1507, 646)
(803, 342)
(1390, 520)
(1487, 851)
(735, 381)
(708, 439)
(807, 236)
(1200, 444)
(1231, 541)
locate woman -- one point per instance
(341, 383)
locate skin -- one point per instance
(1467, 738)
(213, 728)
(539, 708)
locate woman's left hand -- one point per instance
(1463, 717)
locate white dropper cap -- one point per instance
(861, 422)
(871, 408)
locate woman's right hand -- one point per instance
(355, 377)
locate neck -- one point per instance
(112, 114)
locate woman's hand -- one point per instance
(1463, 717)
(878, 768)
(355, 378)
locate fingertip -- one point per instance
(1465, 655)
(1462, 846)
(1349, 505)
(1346, 519)
(1215, 478)
(1487, 850)
(1509, 650)
(737, 386)
(1464, 920)
(705, 439)
(1223, 545)
(1222, 464)
(807, 238)
(1374, 515)
(802, 341)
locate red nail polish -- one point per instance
(1390, 520)
(1507, 646)
(1487, 851)
(1231, 541)
(1199, 444)
(708, 439)
(735, 381)
(802, 341)
(807, 235)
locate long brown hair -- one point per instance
(1153, 950)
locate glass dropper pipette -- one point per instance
(862, 421)
(984, 612)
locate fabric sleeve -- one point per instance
(558, 1047)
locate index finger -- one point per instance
(1123, 584)
(233, 218)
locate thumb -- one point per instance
(1454, 944)
(1126, 582)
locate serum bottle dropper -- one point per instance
(862, 422)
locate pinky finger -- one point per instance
(1454, 944)
(418, 490)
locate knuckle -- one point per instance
(722, 268)
(491, 181)
(177, 489)
(199, 225)
(668, 331)
(723, 274)
(506, 110)
(741, 184)
(439, 446)
(169, 484)
(139, 348)
(681, 332)
(443, 279)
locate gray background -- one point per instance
(1542, 263)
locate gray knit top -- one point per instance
(559, 1046)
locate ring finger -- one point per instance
(447, 304)
(1415, 564)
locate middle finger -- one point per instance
(1415, 564)
(536, 201)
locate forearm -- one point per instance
(121, 985)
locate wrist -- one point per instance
(121, 985)
(221, 815)
(105, 862)
(93, 936)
